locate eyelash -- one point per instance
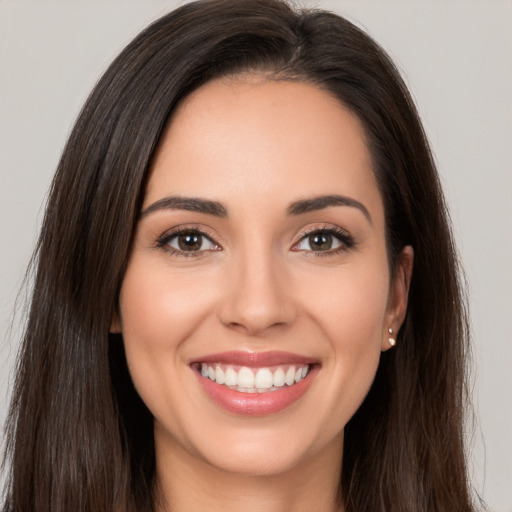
(166, 238)
(346, 240)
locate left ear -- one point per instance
(398, 296)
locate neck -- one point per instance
(186, 483)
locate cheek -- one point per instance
(350, 309)
(350, 303)
(158, 309)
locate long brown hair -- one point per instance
(79, 438)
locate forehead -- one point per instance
(273, 140)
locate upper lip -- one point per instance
(254, 359)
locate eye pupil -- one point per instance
(189, 242)
(320, 241)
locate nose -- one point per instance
(258, 295)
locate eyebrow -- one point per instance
(321, 202)
(192, 204)
(207, 206)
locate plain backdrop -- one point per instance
(455, 55)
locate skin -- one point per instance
(257, 146)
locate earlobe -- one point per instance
(398, 298)
(391, 340)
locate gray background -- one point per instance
(454, 54)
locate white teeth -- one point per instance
(219, 376)
(231, 377)
(279, 378)
(290, 376)
(249, 380)
(263, 379)
(245, 377)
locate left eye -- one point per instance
(319, 241)
(190, 241)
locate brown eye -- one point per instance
(320, 241)
(189, 242)
(326, 240)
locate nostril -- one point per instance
(252, 319)
(257, 296)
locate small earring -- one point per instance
(392, 341)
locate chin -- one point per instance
(258, 458)
(270, 448)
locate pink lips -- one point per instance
(255, 404)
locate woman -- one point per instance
(237, 303)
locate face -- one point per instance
(257, 298)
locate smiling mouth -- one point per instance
(254, 380)
(255, 384)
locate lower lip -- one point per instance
(256, 404)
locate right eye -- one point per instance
(188, 243)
